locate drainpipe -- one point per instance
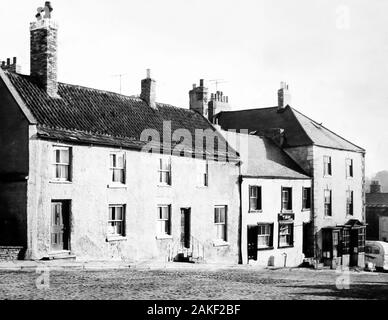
(240, 180)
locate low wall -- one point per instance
(11, 253)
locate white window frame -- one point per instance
(257, 197)
(349, 168)
(325, 203)
(55, 164)
(289, 199)
(349, 202)
(162, 222)
(267, 235)
(290, 234)
(113, 168)
(114, 221)
(327, 166)
(306, 199)
(162, 171)
(221, 226)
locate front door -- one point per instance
(186, 227)
(252, 242)
(60, 235)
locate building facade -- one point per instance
(275, 202)
(336, 234)
(97, 175)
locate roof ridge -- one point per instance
(326, 129)
(252, 109)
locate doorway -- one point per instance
(60, 225)
(186, 227)
(252, 242)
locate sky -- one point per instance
(333, 54)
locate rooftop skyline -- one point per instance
(332, 55)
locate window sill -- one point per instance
(255, 211)
(220, 243)
(117, 186)
(285, 247)
(115, 238)
(164, 186)
(307, 209)
(60, 182)
(202, 187)
(287, 212)
(265, 249)
(328, 217)
(163, 237)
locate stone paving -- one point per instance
(192, 282)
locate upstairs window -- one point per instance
(306, 199)
(116, 221)
(286, 199)
(165, 171)
(327, 166)
(349, 168)
(328, 204)
(220, 222)
(117, 167)
(61, 163)
(361, 240)
(255, 198)
(349, 202)
(164, 220)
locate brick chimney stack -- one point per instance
(43, 60)
(148, 90)
(218, 103)
(8, 66)
(284, 96)
(375, 187)
(199, 98)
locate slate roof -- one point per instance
(100, 117)
(299, 129)
(377, 199)
(261, 157)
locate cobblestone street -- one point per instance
(232, 283)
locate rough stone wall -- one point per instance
(44, 56)
(91, 193)
(271, 205)
(11, 253)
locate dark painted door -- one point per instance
(186, 227)
(60, 226)
(252, 242)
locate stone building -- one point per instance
(97, 175)
(377, 213)
(275, 202)
(336, 233)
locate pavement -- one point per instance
(60, 265)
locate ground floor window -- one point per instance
(361, 240)
(345, 241)
(220, 213)
(164, 220)
(264, 236)
(116, 220)
(286, 235)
